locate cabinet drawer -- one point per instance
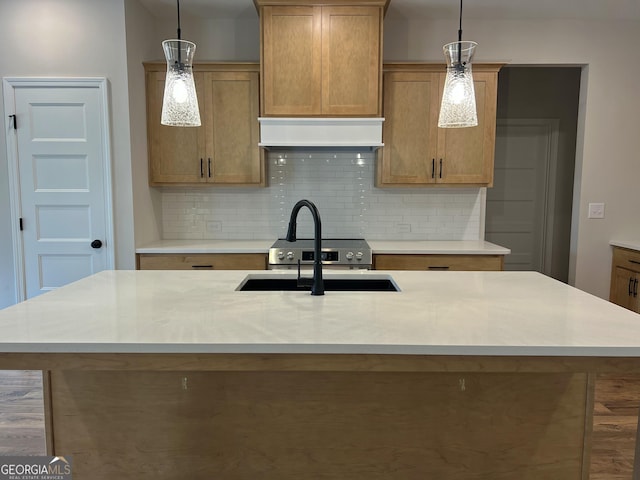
(203, 261)
(626, 258)
(438, 262)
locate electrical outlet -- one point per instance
(596, 210)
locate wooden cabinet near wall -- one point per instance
(437, 262)
(224, 149)
(202, 261)
(321, 60)
(625, 276)
(416, 151)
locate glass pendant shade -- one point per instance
(180, 102)
(458, 109)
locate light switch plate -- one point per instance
(596, 210)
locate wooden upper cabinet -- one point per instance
(224, 149)
(411, 110)
(351, 60)
(321, 60)
(467, 153)
(174, 152)
(416, 151)
(291, 60)
(233, 155)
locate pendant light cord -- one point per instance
(180, 38)
(460, 37)
(179, 31)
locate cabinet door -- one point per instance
(291, 60)
(351, 60)
(625, 291)
(203, 261)
(465, 155)
(438, 262)
(410, 129)
(176, 154)
(233, 155)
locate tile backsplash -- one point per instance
(341, 184)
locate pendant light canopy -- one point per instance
(458, 108)
(180, 102)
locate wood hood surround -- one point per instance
(321, 61)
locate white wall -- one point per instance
(141, 45)
(70, 38)
(608, 136)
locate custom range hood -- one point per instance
(321, 132)
(321, 73)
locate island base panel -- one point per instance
(342, 425)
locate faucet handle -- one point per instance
(303, 281)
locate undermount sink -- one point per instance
(261, 283)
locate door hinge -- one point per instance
(15, 121)
(21, 226)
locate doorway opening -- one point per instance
(529, 207)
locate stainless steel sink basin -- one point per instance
(357, 283)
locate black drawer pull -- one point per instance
(634, 261)
(630, 289)
(201, 266)
(430, 267)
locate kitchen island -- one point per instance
(158, 374)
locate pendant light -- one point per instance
(458, 108)
(180, 102)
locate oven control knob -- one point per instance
(359, 256)
(349, 256)
(290, 255)
(280, 255)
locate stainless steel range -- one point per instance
(338, 253)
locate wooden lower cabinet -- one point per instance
(350, 425)
(203, 261)
(438, 262)
(625, 277)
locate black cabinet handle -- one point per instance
(440, 168)
(437, 268)
(634, 261)
(201, 169)
(630, 289)
(209, 164)
(96, 244)
(635, 288)
(433, 168)
(202, 266)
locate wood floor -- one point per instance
(617, 402)
(21, 413)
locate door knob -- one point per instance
(96, 244)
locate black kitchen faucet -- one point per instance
(317, 283)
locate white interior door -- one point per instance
(63, 176)
(519, 210)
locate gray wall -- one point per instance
(553, 93)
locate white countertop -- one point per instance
(436, 313)
(451, 247)
(433, 247)
(632, 244)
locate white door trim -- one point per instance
(10, 84)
